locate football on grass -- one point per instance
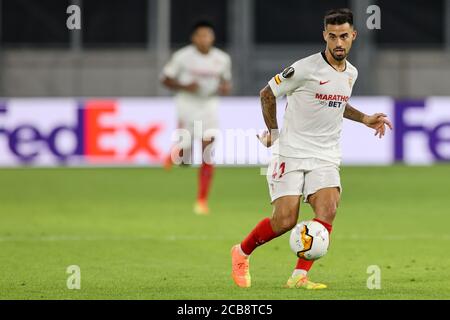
(309, 240)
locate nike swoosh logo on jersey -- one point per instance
(323, 82)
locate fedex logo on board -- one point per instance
(422, 130)
(87, 136)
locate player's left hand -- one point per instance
(378, 121)
(224, 88)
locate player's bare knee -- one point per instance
(284, 219)
(326, 212)
(288, 223)
(283, 225)
(285, 214)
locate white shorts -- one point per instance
(296, 177)
(198, 116)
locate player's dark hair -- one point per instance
(338, 16)
(202, 24)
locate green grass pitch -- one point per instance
(134, 236)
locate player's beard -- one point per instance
(339, 57)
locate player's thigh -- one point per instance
(285, 192)
(207, 142)
(210, 128)
(323, 191)
(184, 132)
(283, 178)
(286, 207)
(210, 125)
(322, 178)
(325, 199)
(208, 150)
(189, 115)
(209, 133)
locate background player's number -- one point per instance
(280, 170)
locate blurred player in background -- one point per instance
(198, 73)
(307, 162)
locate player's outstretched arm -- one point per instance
(377, 121)
(269, 110)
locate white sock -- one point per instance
(299, 271)
(242, 252)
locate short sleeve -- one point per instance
(287, 81)
(173, 68)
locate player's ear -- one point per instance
(324, 33)
(354, 34)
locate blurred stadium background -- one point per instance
(131, 229)
(123, 45)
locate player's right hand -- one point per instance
(192, 87)
(268, 139)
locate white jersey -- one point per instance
(317, 95)
(189, 65)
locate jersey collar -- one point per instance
(324, 56)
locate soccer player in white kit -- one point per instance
(198, 73)
(306, 165)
